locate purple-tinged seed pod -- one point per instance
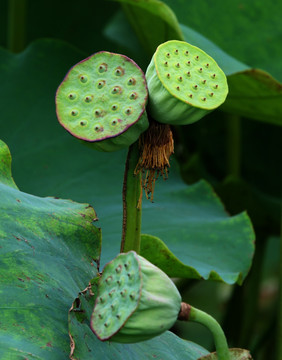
(100, 87)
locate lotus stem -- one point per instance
(189, 313)
(132, 203)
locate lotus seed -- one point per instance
(97, 127)
(100, 316)
(197, 57)
(101, 300)
(200, 70)
(118, 316)
(132, 296)
(177, 88)
(168, 55)
(126, 265)
(186, 52)
(188, 63)
(216, 86)
(207, 65)
(119, 71)
(88, 99)
(176, 52)
(118, 269)
(188, 74)
(133, 96)
(168, 76)
(106, 324)
(177, 65)
(191, 95)
(72, 96)
(180, 78)
(195, 87)
(97, 113)
(213, 76)
(166, 64)
(204, 99)
(211, 94)
(83, 78)
(109, 279)
(113, 307)
(114, 122)
(128, 111)
(101, 84)
(83, 122)
(131, 81)
(74, 112)
(102, 68)
(204, 81)
(116, 90)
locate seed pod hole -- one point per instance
(72, 96)
(128, 111)
(114, 122)
(133, 96)
(83, 122)
(116, 90)
(83, 79)
(88, 99)
(176, 52)
(131, 81)
(118, 269)
(74, 112)
(102, 67)
(119, 71)
(101, 84)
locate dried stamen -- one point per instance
(156, 146)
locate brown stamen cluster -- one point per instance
(156, 146)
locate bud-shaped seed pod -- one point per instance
(102, 101)
(184, 83)
(136, 301)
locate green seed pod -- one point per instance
(135, 302)
(102, 101)
(184, 83)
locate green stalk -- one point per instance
(16, 25)
(132, 203)
(214, 327)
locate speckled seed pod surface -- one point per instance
(184, 83)
(103, 97)
(118, 296)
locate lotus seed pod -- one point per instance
(184, 83)
(135, 302)
(102, 101)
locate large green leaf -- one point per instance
(166, 347)
(144, 15)
(48, 252)
(47, 160)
